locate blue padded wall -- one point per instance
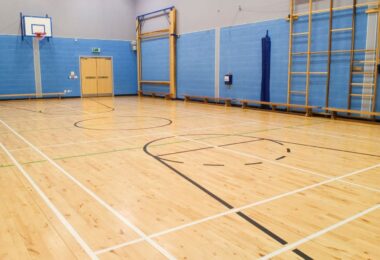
(240, 54)
(155, 63)
(16, 67)
(196, 64)
(340, 69)
(61, 55)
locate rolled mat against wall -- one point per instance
(265, 78)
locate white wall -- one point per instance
(196, 15)
(115, 19)
(95, 19)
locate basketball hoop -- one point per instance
(40, 35)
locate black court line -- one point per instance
(329, 148)
(280, 158)
(168, 122)
(187, 151)
(314, 146)
(24, 109)
(221, 201)
(167, 160)
(254, 163)
(100, 103)
(243, 142)
(211, 164)
(224, 145)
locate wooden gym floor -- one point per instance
(145, 178)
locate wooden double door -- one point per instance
(96, 76)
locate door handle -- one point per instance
(103, 77)
(90, 77)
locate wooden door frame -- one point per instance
(95, 57)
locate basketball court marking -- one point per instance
(87, 112)
(94, 196)
(127, 137)
(121, 138)
(152, 235)
(242, 208)
(327, 133)
(223, 202)
(270, 161)
(278, 127)
(166, 122)
(51, 206)
(321, 232)
(276, 163)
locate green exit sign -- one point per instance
(96, 50)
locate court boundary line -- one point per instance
(256, 121)
(224, 202)
(192, 114)
(85, 247)
(279, 127)
(270, 161)
(274, 162)
(251, 123)
(320, 233)
(235, 210)
(131, 136)
(280, 164)
(92, 194)
(320, 120)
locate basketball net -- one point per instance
(40, 35)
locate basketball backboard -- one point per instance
(32, 25)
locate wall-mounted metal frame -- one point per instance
(329, 52)
(170, 33)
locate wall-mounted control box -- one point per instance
(228, 79)
(134, 45)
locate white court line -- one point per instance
(320, 120)
(246, 123)
(319, 132)
(140, 135)
(51, 206)
(235, 210)
(206, 115)
(330, 134)
(94, 196)
(319, 233)
(277, 163)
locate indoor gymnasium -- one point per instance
(189, 129)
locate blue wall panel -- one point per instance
(196, 64)
(16, 66)
(340, 66)
(241, 55)
(155, 63)
(61, 55)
